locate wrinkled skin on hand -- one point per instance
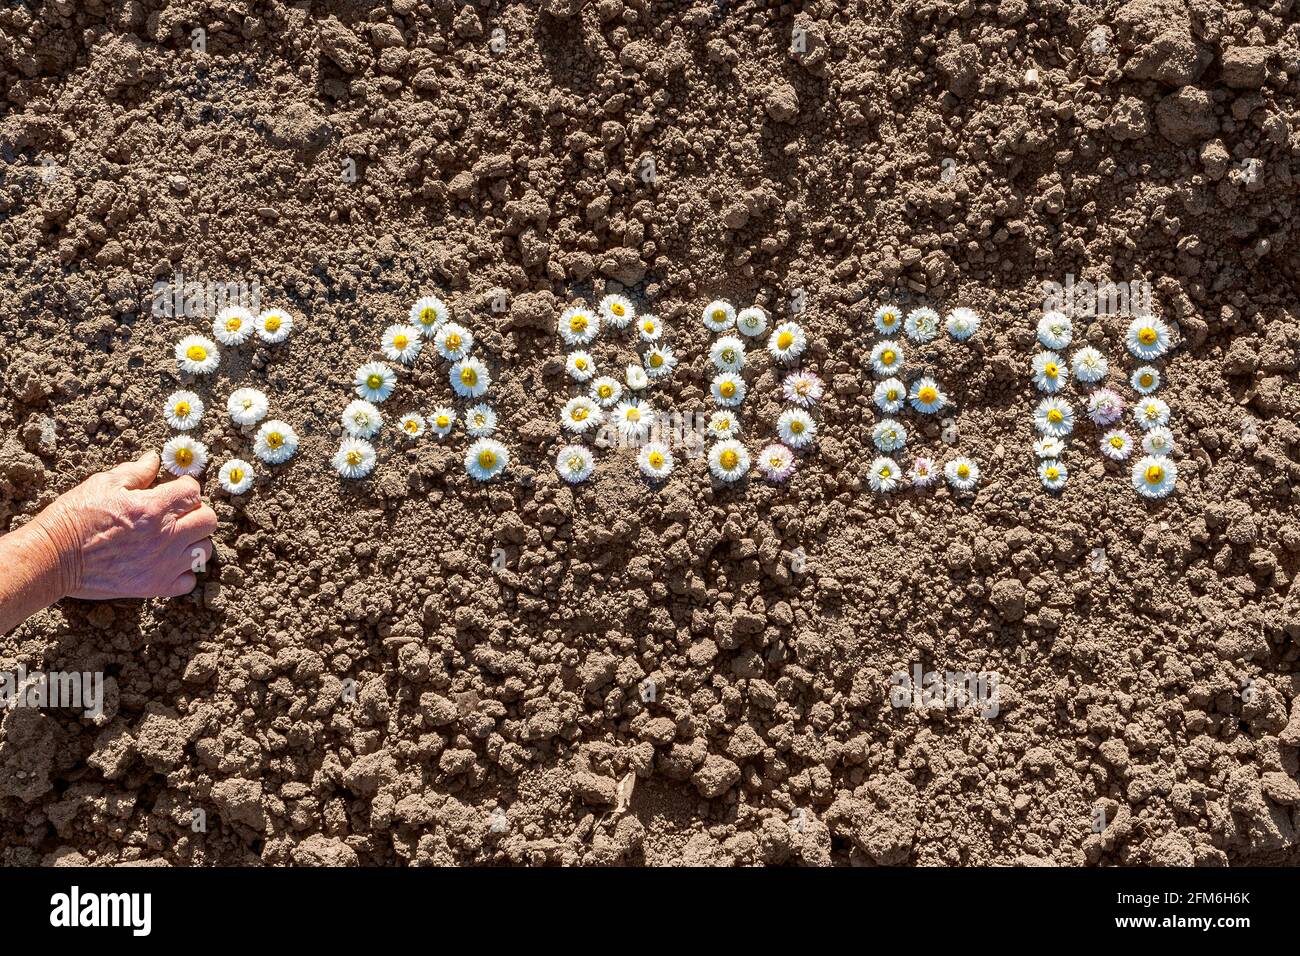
(117, 537)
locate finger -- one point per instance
(178, 497)
(138, 474)
(182, 586)
(196, 556)
(197, 524)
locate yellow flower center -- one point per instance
(605, 391)
(196, 353)
(182, 409)
(275, 439)
(892, 394)
(1146, 379)
(656, 360)
(1152, 411)
(1147, 335)
(617, 309)
(1055, 417)
(634, 414)
(887, 357)
(468, 377)
(428, 316)
(184, 457)
(400, 342)
(796, 427)
(648, 328)
(728, 356)
(727, 389)
(273, 323)
(578, 323)
(1154, 475)
(580, 364)
(719, 315)
(374, 381)
(575, 463)
(453, 342)
(885, 471)
(889, 318)
(579, 413)
(1052, 474)
(928, 395)
(785, 340)
(729, 459)
(656, 459)
(236, 475)
(354, 457)
(412, 426)
(487, 458)
(1050, 370)
(963, 471)
(1117, 442)
(234, 323)
(442, 421)
(775, 461)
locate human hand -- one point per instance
(116, 537)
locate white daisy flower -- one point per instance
(1089, 365)
(580, 366)
(1154, 476)
(412, 425)
(606, 391)
(236, 476)
(247, 406)
(441, 421)
(889, 435)
(1116, 444)
(183, 455)
(635, 378)
(616, 311)
(723, 424)
(1053, 474)
(360, 419)
(1145, 379)
(579, 414)
(655, 460)
(183, 410)
(728, 460)
(787, 342)
(922, 325)
(890, 395)
(887, 357)
(1050, 373)
(354, 459)
(1158, 441)
(751, 322)
(1054, 417)
(374, 382)
(453, 341)
(803, 388)
(470, 377)
(485, 459)
(648, 328)
(275, 442)
(1055, 331)
(575, 463)
(888, 319)
(659, 361)
(633, 420)
(962, 473)
(719, 316)
(1105, 406)
(962, 323)
(428, 313)
(401, 343)
(924, 473)
(1147, 338)
(884, 475)
(1049, 447)
(728, 389)
(480, 421)
(926, 396)
(578, 325)
(1151, 413)
(197, 355)
(796, 428)
(233, 325)
(727, 354)
(274, 326)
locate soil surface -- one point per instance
(421, 669)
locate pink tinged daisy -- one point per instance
(1105, 407)
(924, 472)
(775, 462)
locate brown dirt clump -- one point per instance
(417, 669)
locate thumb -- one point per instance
(138, 474)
